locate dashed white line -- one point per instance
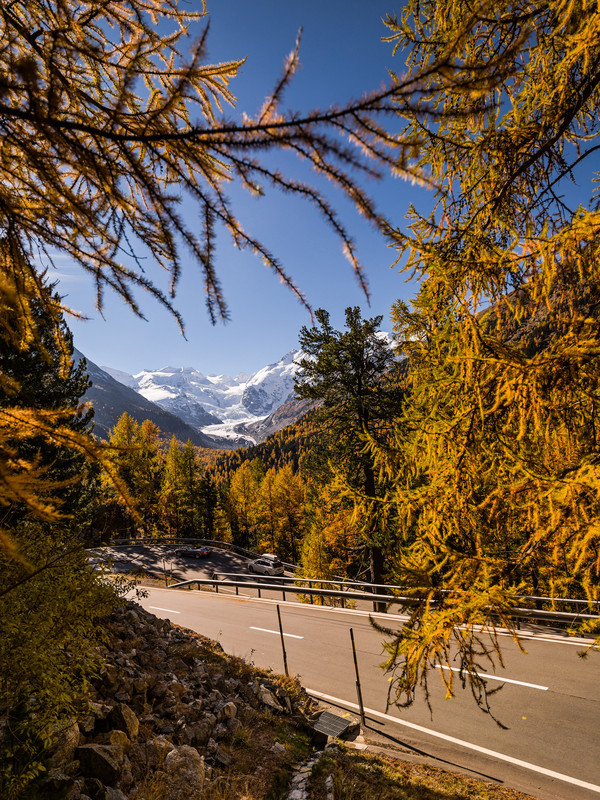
(169, 610)
(266, 630)
(489, 677)
(499, 756)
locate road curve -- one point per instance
(549, 703)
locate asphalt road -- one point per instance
(549, 747)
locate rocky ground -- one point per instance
(171, 715)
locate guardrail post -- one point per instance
(310, 595)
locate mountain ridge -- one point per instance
(218, 405)
(110, 399)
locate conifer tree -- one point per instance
(138, 463)
(351, 373)
(332, 545)
(44, 378)
(496, 460)
(268, 513)
(171, 500)
(289, 509)
(243, 501)
(179, 495)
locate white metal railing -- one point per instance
(391, 593)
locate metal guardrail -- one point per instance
(559, 617)
(549, 615)
(291, 588)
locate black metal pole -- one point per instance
(358, 689)
(285, 666)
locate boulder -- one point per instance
(229, 710)
(100, 761)
(124, 719)
(267, 698)
(185, 768)
(68, 738)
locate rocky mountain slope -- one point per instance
(170, 715)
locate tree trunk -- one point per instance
(376, 570)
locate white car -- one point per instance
(266, 566)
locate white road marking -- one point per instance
(266, 630)
(490, 677)
(499, 756)
(169, 610)
(587, 644)
(523, 635)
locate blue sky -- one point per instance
(342, 56)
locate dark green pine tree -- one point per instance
(47, 378)
(351, 372)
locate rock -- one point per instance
(140, 685)
(222, 757)
(86, 725)
(233, 725)
(158, 657)
(59, 784)
(268, 699)
(119, 738)
(124, 719)
(68, 738)
(220, 731)
(186, 735)
(278, 748)
(126, 779)
(229, 710)
(284, 699)
(201, 733)
(100, 761)
(132, 616)
(177, 689)
(101, 713)
(109, 675)
(185, 768)
(177, 666)
(153, 752)
(95, 788)
(113, 794)
(165, 728)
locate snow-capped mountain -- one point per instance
(215, 404)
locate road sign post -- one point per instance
(358, 689)
(285, 666)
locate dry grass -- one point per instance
(359, 776)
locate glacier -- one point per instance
(216, 404)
